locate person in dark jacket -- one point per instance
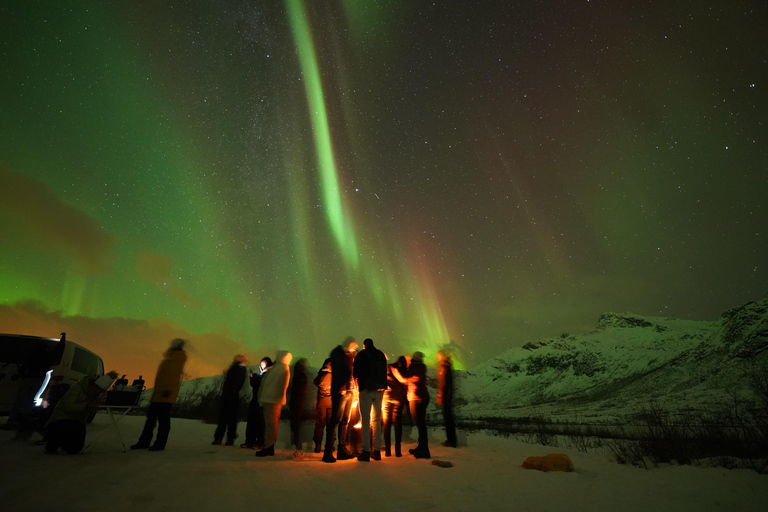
(445, 395)
(230, 401)
(370, 370)
(393, 404)
(418, 399)
(32, 374)
(254, 428)
(323, 407)
(296, 403)
(343, 390)
(167, 385)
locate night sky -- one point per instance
(260, 174)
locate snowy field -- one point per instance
(192, 475)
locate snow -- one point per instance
(192, 475)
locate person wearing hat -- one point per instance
(66, 428)
(167, 384)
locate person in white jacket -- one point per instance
(272, 398)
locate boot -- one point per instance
(387, 450)
(216, 442)
(266, 452)
(364, 457)
(343, 454)
(376, 455)
(139, 446)
(318, 448)
(328, 456)
(398, 453)
(230, 442)
(422, 453)
(156, 448)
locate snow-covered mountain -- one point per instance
(626, 363)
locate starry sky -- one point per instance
(253, 175)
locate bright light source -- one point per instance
(38, 395)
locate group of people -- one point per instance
(347, 378)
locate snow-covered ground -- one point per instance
(192, 475)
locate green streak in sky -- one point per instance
(341, 228)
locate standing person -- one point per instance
(445, 395)
(272, 398)
(418, 399)
(66, 428)
(370, 370)
(323, 406)
(254, 428)
(167, 384)
(395, 397)
(296, 404)
(230, 401)
(32, 374)
(342, 397)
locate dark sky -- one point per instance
(253, 175)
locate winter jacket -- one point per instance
(234, 380)
(417, 382)
(299, 386)
(444, 382)
(323, 380)
(275, 383)
(168, 378)
(341, 371)
(370, 370)
(396, 390)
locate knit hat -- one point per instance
(177, 344)
(417, 356)
(104, 382)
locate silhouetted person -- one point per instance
(32, 375)
(254, 428)
(393, 404)
(296, 404)
(418, 399)
(342, 398)
(272, 398)
(323, 406)
(445, 395)
(230, 401)
(370, 370)
(66, 428)
(167, 384)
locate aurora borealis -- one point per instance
(261, 174)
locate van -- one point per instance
(72, 364)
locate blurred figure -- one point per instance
(167, 384)
(418, 399)
(323, 407)
(342, 397)
(254, 428)
(32, 374)
(230, 401)
(272, 398)
(370, 371)
(296, 404)
(393, 404)
(66, 428)
(445, 395)
(55, 391)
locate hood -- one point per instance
(284, 357)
